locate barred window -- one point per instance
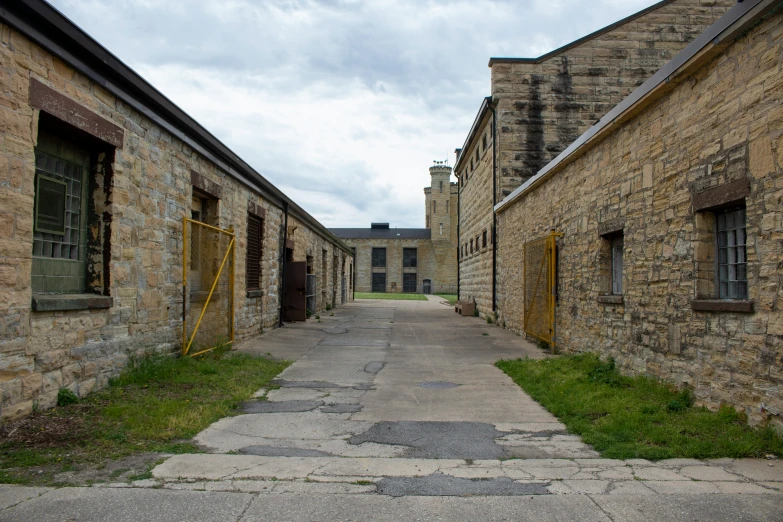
(255, 234)
(409, 257)
(379, 258)
(409, 283)
(732, 254)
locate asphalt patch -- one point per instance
(342, 407)
(274, 451)
(374, 367)
(437, 440)
(446, 486)
(280, 406)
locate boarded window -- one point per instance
(255, 232)
(379, 258)
(409, 257)
(409, 282)
(732, 254)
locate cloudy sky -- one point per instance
(342, 104)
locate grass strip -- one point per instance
(451, 298)
(394, 297)
(636, 417)
(155, 406)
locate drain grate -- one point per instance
(437, 384)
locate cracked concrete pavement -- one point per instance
(394, 409)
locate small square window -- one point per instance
(50, 196)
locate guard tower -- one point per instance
(438, 201)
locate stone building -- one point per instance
(97, 171)
(671, 210)
(411, 259)
(538, 106)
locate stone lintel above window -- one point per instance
(204, 185)
(723, 195)
(610, 299)
(722, 305)
(256, 210)
(611, 227)
(46, 99)
(254, 293)
(60, 302)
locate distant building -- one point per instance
(411, 259)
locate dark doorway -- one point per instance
(427, 287)
(295, 308)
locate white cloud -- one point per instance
(343, 105)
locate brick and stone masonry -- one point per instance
(144, 176)
(543, 104)
(714, 139)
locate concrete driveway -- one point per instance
(394, 410)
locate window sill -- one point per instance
(254, 293)
(722, 305)
(610, 299)
(60, 302)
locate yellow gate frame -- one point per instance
(231, 250)
(548, 264)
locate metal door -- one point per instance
(540, 288)
(295, 291)
(427, 287)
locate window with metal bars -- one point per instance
(379, 258)
(732, 276)
(255, 237)
(409, 257)
(409, 282)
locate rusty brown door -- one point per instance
(295, 291)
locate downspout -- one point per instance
(459, 239)
(494, 217)
(283, 261)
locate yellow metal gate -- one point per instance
(208, 261)
(539, 271)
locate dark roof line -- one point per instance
(486, 103)
(731, 23)
(581, 40)
(49, 28)
(382, 233)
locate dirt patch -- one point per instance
(48, 429)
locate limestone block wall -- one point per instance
(427, 266)
(308, 243)
(140, 227)
(545, 104)
(475, 218)
(717, 130)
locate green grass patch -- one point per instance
(155, 406)
(636, 417)
(451, 298)
(395, 297)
